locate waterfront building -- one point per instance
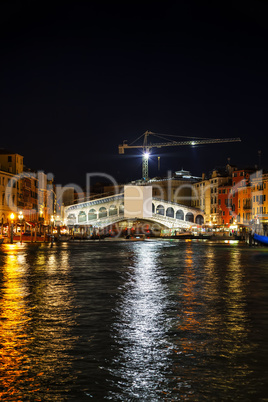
(225, 204)
(259, 196)
(177, 187)
(233, 197)
(29, 190)
(24, 190)
(11, 164)
(244, 215)
(205, 194)
(201, 197)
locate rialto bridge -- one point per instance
(106, 211)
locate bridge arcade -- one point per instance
(106, 211)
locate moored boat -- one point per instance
(260, 238)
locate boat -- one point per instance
(126, 238)
(135, 238)
(261, 239)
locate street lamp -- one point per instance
(12, 217)
(20, 219)
(52, 223)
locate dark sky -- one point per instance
(79, 77)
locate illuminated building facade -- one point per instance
(259, 196)
(22, 189)
(205, 194)
(11, 164)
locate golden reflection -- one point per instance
(35, 317)
(236, 316)
(53, 295)
(14, 320)
(225, 297)
(189, 321)
(212, 289)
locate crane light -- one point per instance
(146, 155)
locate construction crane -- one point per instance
(146, 146)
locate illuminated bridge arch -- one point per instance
(92, 214)
(189, 217)
(82, 217)
(160, 210)
(199, 220)
(180, 214)
(113, 210)
(170, 212)
(102, 212)
(107, 211)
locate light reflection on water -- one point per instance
(34, 333)
(140, 331)
(141, 321)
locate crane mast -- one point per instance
(146, 147)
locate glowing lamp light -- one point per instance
(12, 216)
(146, 155)
(193, 143)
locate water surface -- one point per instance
(133, 321)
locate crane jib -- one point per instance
(179, 143)
(146, 147)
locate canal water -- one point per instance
(134, 321)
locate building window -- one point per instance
(9, 158)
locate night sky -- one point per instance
(79, 77)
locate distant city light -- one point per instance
(193, 143)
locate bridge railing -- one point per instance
(95, 202)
